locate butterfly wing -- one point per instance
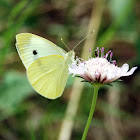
(48, 75)
(32, 47)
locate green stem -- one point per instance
(96, 88)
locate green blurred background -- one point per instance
(24, 114)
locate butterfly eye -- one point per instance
(34, 52)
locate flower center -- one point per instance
(107, 56)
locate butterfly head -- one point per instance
(70, 57)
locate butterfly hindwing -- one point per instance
(48, 75)
(32, 47)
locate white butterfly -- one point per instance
(46, 64)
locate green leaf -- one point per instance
(13, 90)
(109, 84)
(85, 81)
(79, 77)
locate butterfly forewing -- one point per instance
(48, 75)
(32, 47)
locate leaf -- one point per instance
(118, 80)
(13, 90)
(109, 84)
(79, 77)
(85, 81)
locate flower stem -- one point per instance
(96, 89)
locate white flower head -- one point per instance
(100, 69)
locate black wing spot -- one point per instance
(34, 52)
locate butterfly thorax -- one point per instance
(70, 57)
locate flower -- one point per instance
(100, 69)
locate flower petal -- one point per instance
(74, 69)
(125, 68)
(130, 72)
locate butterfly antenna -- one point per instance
(83, 39)
(64, 44)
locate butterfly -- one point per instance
(46, 64)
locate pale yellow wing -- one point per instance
(31, 47)
(48, 75)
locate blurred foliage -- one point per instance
(25, 114)
(13, 83)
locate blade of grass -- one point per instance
(16, 11)
(9, 34)
(107, 35)
(32, 133)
